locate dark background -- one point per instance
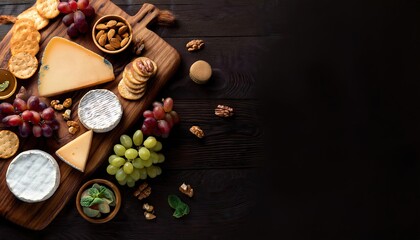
(347, 132)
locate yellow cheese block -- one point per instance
(67, 66)
(75, 153)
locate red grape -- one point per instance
(13, 120)
(64, 7)
(83, 27)
(168, 118)
(156, 103)
(37, 131)
(175, 117)
(168, 103)
(148, 113)
(68, 19)
(79, 17)
(25, 129)
(42, 106)
(48, 113)
(19, 105)
(54, 124)
(73, 5)
(150, 122)
(164, 128)
(72, 31)
(89, 11)
(6, 108)
(22, 94)
(158, 112)
(146, 131)
(27, 115)
(33, 103)
(82, 4)
(46, 130)
(36, 117)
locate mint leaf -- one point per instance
(181, 210)
(4, 85)
(96, 201)
(93, 192)
(173, 201)
(86, 201)
(97, 186)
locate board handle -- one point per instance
(145, 15)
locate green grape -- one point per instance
(143, 173)
(123, 182)
(144, 153)
(131, 153)
(154, 157)
(158, 170)
(147, 163)
(111, 157)
(157, 147)
(135, 174)
(118, 162)
(138, 163)
(150, 142)
(151, 171)
(138, 137)
(161, 158)
(129, 179)
(128, 168)
(119, 149)
(112, 170)
(131, 184)
(126, 141)
(120, 175)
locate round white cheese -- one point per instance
(100, 110)
(33, 176)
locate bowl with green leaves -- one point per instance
(98, 200)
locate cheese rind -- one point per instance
(67, 66)
(76, 152)
(33, 176)
(100, 110)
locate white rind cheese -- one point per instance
(33, 176)
(100, 110)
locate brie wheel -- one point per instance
(33, 176)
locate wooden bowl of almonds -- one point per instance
(112, 34)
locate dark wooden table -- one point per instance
(222, 167)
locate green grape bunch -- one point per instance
(135, 159)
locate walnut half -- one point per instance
(223, 111)
(196, 130)
(143, 191)
(194, 45)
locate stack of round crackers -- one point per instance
(135, 76)
(24, 43)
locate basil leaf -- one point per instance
(173, 201)
(86, 201)
(4, 85)
(93, 192)
(96, 201)
(181, 210)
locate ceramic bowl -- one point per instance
(6, 75)
(104, 20)
(114, 210)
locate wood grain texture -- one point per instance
(38, 216)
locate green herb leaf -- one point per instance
(96, 201)
(97, 186)
(86, 201)
(181, 210)
(93, 192)
(173, 201)
(108, 194)
(4, 85)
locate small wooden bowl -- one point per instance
(6, 75)
(105, 19)
(115, 209)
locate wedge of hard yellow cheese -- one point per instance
(67, 66)
(76, 152)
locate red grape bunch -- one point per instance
(30, 115)
(159, 121)
(77, 14)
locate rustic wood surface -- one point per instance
(222, 167)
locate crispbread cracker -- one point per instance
(31, 13)
(27, 45)
(9, 143)
(125, 93)
(23, 65)
(47, 8)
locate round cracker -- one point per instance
(9, 143)
(23, 25)
(23, 65)
(31, 13)
(125, 93)
(137, 69)
(25, 35)
(27, 45)
(137, 79)
(127, 77)
(47, 8)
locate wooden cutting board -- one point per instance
(37, 216)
